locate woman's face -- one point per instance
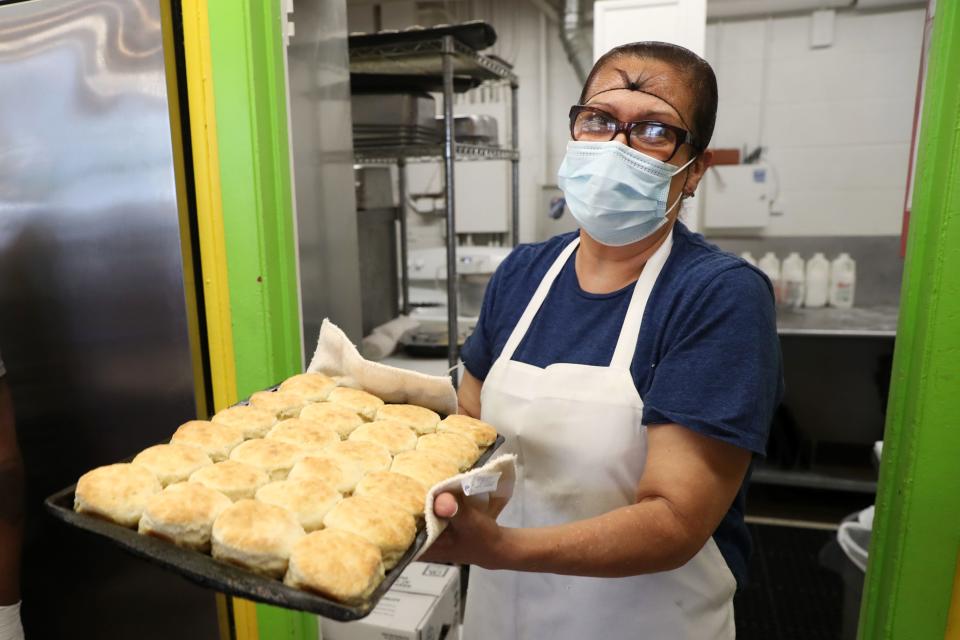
(633, 89)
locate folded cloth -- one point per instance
(10, 627)
(383, 340)
(337, 356)
(377, 346)
(491, 484)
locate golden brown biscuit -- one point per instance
(366, 404)
(312, 387)
(214, 439)
(172, 462)
(392, 435)
(425, 467)
(454, 447)
(343, 472)
(333, 416)
(183, 514)
(370, 456)
(309, 500)
(116, 492)
(273, 456)
(480, 432)
(255, 423)
(420, 419)
(233, 479)
(390, 528)
(394, 488)
(310, 436)
(257, 536)
(280, 403)
(335, 564)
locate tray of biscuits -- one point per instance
(308, 496)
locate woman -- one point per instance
(634, 369)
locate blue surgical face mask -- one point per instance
(617, 194)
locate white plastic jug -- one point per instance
(770, 265)
(793, 276)
(818, 281)
(843, 281)
(746, 255)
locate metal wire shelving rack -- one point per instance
(444, 59)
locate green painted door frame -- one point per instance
(249, 91)
(913, 554)
(249, 82)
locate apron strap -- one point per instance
(630, 330)
(536, 301)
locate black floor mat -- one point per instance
(790, 596)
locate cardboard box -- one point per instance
(422, 601)
(725, 156)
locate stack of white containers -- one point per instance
(813, 283)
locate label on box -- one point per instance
(480, 483)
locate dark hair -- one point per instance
(702, 80)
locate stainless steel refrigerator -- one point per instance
(94, 311)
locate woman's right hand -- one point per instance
(472, 535)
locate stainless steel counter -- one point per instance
(857, 322)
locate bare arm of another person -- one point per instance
(11, 501)
(688, 484)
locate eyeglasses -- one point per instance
(656, 139)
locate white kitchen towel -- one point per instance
(337, 356)
(10, 627)
(493, 480)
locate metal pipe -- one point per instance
(577, 41)
(543, 73)
(448, 165)
(402, 217)
(514, 168)
(547, 10)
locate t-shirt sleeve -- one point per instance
(477, 353)
(720, 373)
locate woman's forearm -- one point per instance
(645, 537)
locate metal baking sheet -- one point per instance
(226, 578)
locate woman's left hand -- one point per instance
(472, 535)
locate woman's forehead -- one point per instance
(638, 82)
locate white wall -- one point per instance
(617, 22)
(837, 120)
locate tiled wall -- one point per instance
(836, 120)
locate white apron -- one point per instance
(581, 449)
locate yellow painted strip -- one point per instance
(213, 250)
(206, 163)
(953, 616)
(245, 619)
(223, 617)
(176, 139)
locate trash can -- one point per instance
(846, 555)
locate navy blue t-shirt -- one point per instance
(707, 357)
